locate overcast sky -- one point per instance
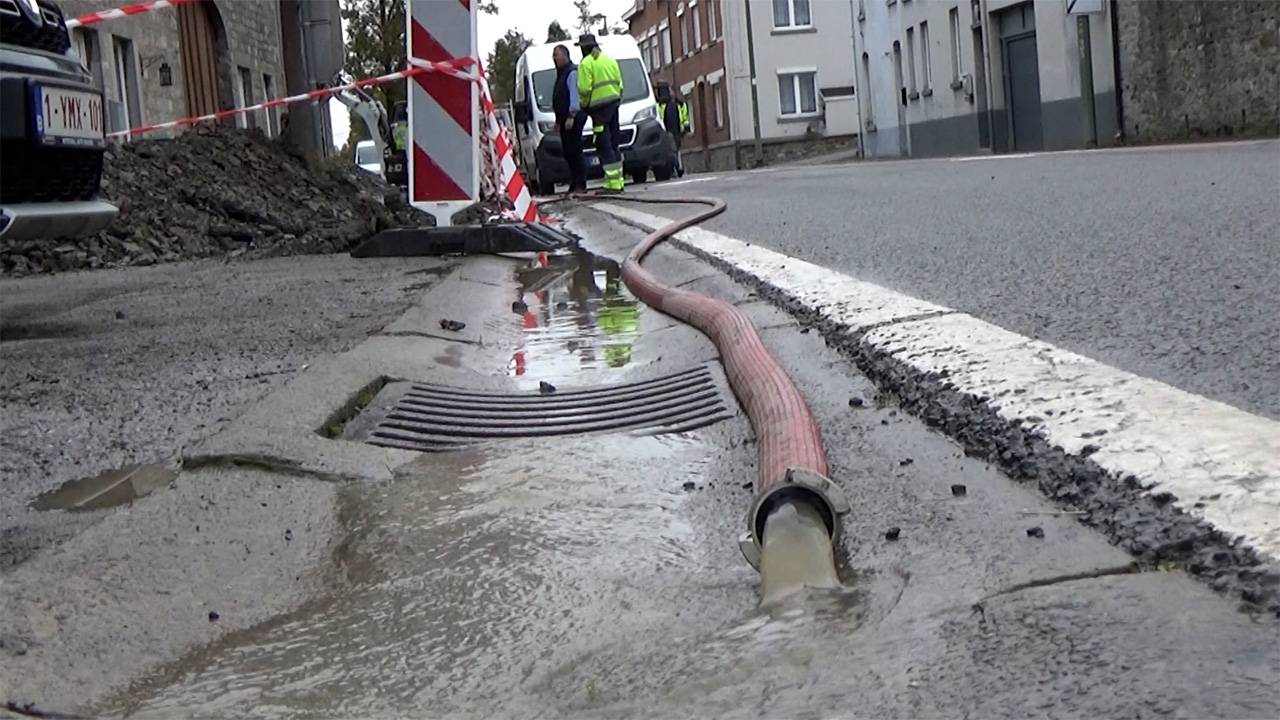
(530, 17)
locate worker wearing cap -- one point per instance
(600, 94)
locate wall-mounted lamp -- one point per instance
(166, 75)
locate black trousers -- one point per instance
(571, 140)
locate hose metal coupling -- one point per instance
(799, 484)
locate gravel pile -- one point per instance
(217, 192)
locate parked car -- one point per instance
(52, 129)
(367, 157)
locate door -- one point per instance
(199, 43)
(1024, 93)
(901, 90)
(1021, 77)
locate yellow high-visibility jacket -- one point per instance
(599, 80)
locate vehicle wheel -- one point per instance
(544, 187)
(662, 172)
(639, 176)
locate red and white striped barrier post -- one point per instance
(444, 152)
(126, 11)
(510, 181)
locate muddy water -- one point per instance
(522, 580)
(579, 322)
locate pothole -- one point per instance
(108, 489)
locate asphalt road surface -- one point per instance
(1163, 261)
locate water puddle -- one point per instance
(108, 489)
(576, 317)
(536, 579)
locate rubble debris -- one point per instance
(959, 490)
(892, 533)
(856, 402)
(213, 616)
(1035, 532)
(452, 325)
(218, 192)
(689, 486)
(546, 388)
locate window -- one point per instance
(128, 114)
(272, 114)
(684, 32)
(697, 26)
(957, 67)
(635, 83)
(244, 96)
(925, 59)
(797, 94)
(911, 62)
(87, 45)
(666, 43)
(718, 96)
(791, 14)
(713, 29)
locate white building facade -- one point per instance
(804, 72)
(949, 77)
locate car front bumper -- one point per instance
(650, 147)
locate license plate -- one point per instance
(68, 117)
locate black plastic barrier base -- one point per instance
(464, 240)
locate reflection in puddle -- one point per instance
(111, 488)
(576, 316)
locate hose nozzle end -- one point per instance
(799, 485)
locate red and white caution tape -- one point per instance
(456, 68)
(127, 10)
(510, 181)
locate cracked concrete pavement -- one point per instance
(590, 575)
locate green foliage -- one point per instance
(376, 45)
(588, 19)
(501, 64)
(556, 33)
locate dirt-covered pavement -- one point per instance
(217, 192)
(101, 370)
(293, 569)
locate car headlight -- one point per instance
(546, 126)
(649, 113)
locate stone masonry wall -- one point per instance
(1196, 69)
(252, 30)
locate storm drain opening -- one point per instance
(435, 418)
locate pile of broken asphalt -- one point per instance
(216, 192)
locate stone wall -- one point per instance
(1195, 69)
(252, 37)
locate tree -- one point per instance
(501, 64)
(375, 46)
(587, 19)
(555, 33)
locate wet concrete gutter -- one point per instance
(1125, 459)
(597, 575)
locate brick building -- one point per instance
(682, 42)
(210, 55)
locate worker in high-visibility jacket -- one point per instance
(600, 94)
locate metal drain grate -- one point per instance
(421, 416)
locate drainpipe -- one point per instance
(1115, 67)
(857, 77)
(1085, 43)
(755, 95)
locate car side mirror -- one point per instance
(522, 111)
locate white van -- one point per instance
(645, 144)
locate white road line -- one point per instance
(687, 181)
(1221, 464)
